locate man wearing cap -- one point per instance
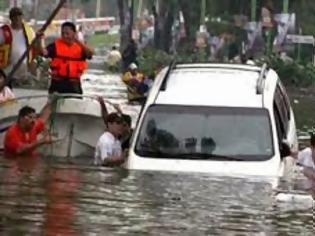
(135, 82)
(14, 41)
(108, 150)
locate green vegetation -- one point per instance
(292, 73)
(99, 39)
(151, 59)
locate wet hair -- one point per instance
(15, 11)
(127, 119)
(2, 74)
(26, 110)
(243, 58)
(70, 25)
(114, 117)
(312, 139)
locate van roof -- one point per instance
(214, 85)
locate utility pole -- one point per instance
(299, 47)
(253, 10)
(131, 11)
(285, 6)
(98, 8)
(203, 12)
(140, 4)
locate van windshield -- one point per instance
(209, 133)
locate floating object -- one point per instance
(295, 200)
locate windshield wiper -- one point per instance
(154, 153)
(205, 156)
(190, 155)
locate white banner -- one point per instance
(285, 25)
(304, 39)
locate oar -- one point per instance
(42, 29)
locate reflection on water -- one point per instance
(56, 196)
(48, 196)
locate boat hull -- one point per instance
(76, 122)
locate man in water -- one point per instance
(108, 150)
(127, 130)
(306, 158)
(22, 137)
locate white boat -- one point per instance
(75, 120)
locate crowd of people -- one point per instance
(68, 60)
(68, 55)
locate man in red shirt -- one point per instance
(21, 137)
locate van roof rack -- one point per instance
(170, 68)
(229, 66)
(261, 79)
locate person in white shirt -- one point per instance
(306, 158)
(15, 38)
(5, 92)
(114, 57)
(108, 150)
(80, 34)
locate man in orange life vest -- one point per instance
(14, 40)
(68, 60)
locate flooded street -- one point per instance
(53, 197)
(57, 196)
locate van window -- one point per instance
(282, 109)
(279, 124)
(285, 98)
(214, 133)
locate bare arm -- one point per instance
(116, 160)
(117, 108)
(39, 46)
(309, 173)
(47, 109)
(88, 51)
(45, 113)
(26, 148)
(103, 109)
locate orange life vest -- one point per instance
(5, 47)
(68, 62)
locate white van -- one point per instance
(224, 119)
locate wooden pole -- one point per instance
(42, 29)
